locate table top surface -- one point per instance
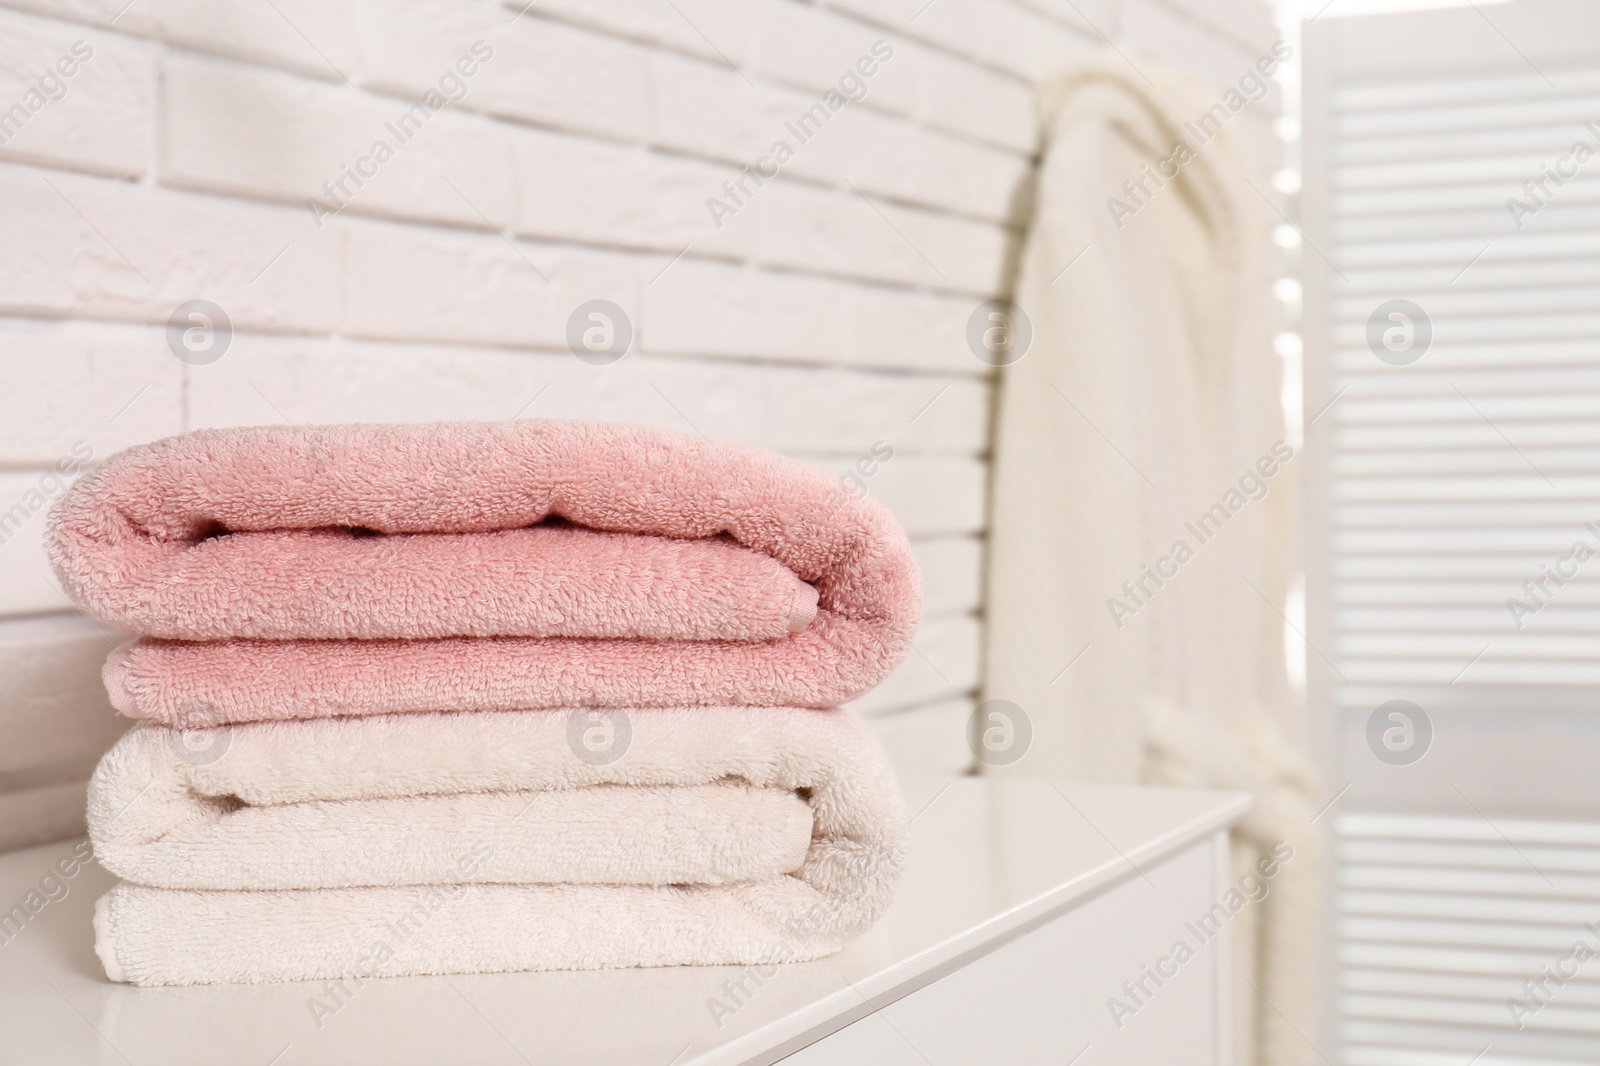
(990, 859)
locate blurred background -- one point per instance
(235, 212)
(1447, 163)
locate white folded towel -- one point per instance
(477, 842)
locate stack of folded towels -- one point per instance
(484, 697)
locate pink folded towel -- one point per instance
(540, 581)
(303, 571)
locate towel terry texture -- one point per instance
(619, 654)
(541, 581)
(717, 835)
(299, 571)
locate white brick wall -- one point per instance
(98, 119)
(828, 312)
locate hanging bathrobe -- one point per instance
(1143, 498)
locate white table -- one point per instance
(1025, 908)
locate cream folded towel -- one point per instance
(474, 842)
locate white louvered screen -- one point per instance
(1461, 476)
(1442, 920)
(1454, 480)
